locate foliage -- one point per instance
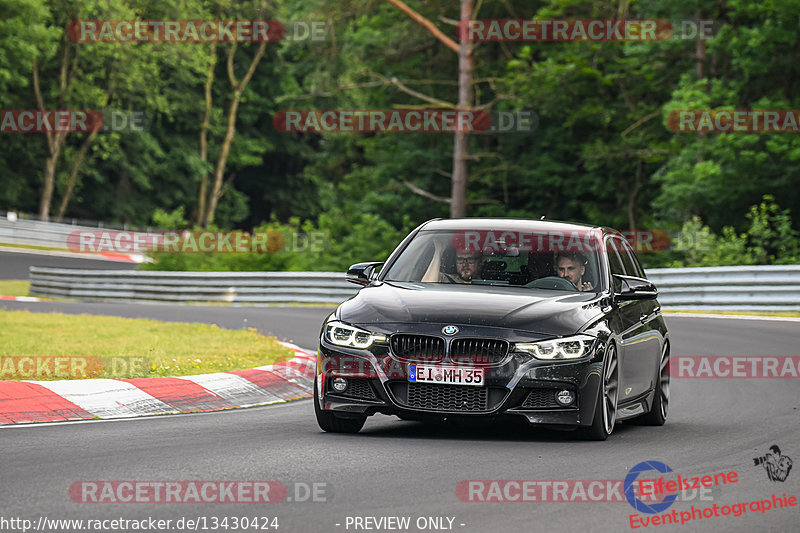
(600, 151)
(769, 239)
(337, 242)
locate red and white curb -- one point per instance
(57, 401)
(21, 298)
(125, 258)
(107, 256)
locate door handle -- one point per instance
(643, 318)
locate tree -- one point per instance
(207, 207)
(237, 88)
(458, 194)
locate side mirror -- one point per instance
(633, 288)
(362, 273)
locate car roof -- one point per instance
(504, 224)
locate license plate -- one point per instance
(445, 375)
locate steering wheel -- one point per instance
(553, 282)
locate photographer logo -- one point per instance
(777, 466)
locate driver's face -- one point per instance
(468, 266)
(567, 268)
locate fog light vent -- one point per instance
(565, 397)
(339, 384)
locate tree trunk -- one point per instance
(458, 189)
(700, 58)
(219, 172)
(458, 205)
(76, 166)
(633, 195)
(700, 50)
(230, 132)
(73, 176)
(50, 175)
(202, 194)
(54, 142)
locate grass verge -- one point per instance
(790, 314)
(32, 247)
(43, 346)
(14, 287)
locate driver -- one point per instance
(572, 266)
(469, 265)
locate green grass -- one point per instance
(14, 287)
(84, 346)
(33, 247)
(790, 314)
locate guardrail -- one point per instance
(186, 287)
(38, 233)
(746, 288)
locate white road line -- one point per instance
(734, 317)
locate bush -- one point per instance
(769, 239)
(336, 242)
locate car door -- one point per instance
(629, 329)
(645, 341)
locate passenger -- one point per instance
(572, 266)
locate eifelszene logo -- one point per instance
(777, 466)
(630, 494)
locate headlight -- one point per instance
(341, 334)
(567, 348)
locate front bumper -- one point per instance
(518, 386)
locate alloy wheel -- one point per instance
(610, 390)
(664, 381)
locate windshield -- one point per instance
(544, 260)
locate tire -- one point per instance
(658, 411)
(605, 412)
(331, 423)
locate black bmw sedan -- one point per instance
(549, 321)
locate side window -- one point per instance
(614, 263)
(613, 258)
(630, 261)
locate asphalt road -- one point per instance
(395, 468)
(15, 265)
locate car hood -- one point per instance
(536, 310)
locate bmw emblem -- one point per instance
(450, 330)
